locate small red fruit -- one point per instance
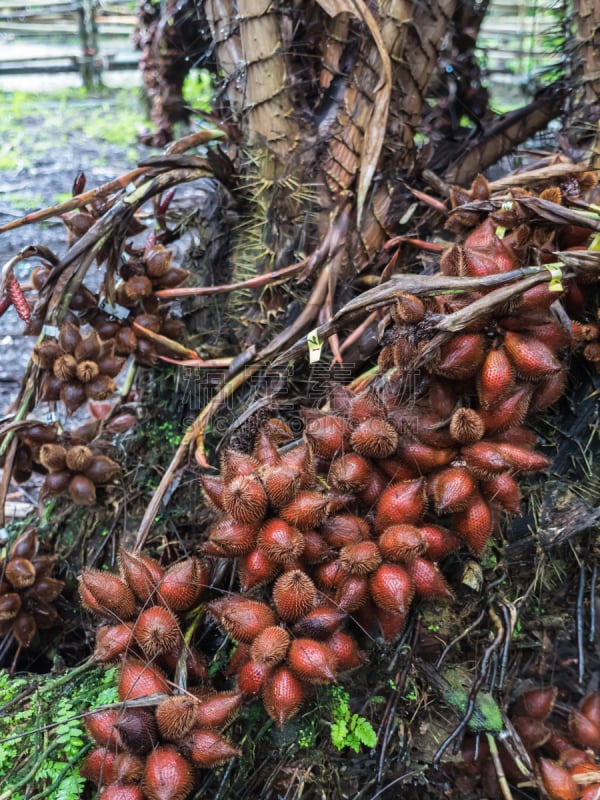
(392, 588)
(243, 619)
(428, 580)
(282, 695)
(312, 661)
(402, 502)
(167, 775)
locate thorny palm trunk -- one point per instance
(587, 68)
(327, 97)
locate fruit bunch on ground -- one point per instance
(562, 750)
(336, 535)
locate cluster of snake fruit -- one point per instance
(332, 538)
(564, 757)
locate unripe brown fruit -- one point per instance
(20, 572)
(82, 491)
(53, 457)
(78, 458)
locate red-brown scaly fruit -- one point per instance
(343, 529)
(350, 473)
(245, 499)
(401, 543)
(352, 593)
(112, 641)
(20, 572)
(557, 781)
(475, 524)
(401, 503)
(531, 358)
(361, 558)
(328, 435)
(365, 405)
(320, 622)
(374, 438)
(82, 491)
(496, 378)
(391, 623)
(280, 542)
(549, 390)
(24, 628)
(283, 694)
(255, 569)
(330, 575)
(408, 309)
(265, 451)
(584, 732)
(532, 732)
(208, 749)
(157, 631)
(294, 594)
(243, 619)
(439, 542)
(396, 469)
(98, 766)
(167, 775)
(461, 357)
(346, 652)
(105, 594)
(312, 661)
(301, 460)
(428, 580)
(270, 647)
(316, 548)
(451, 489)
(392, 588)
(590, 707)
(140, 573)
(504, 490)
(213, 486)
(537, 703)
(252, 676)
(509, 412)
(232, 538)
(183, 584)
(195, 663)
(521, 459)
(422, 457)
(217, 710)
(375, 486)
(466, 426)
(281, 484)
(175, 716)
(137, 728)
(308, 509)
(140, 680)
(484, 459)
(101, 727)
(235, 464)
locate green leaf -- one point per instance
(339, 734)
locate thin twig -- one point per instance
(580, 648)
